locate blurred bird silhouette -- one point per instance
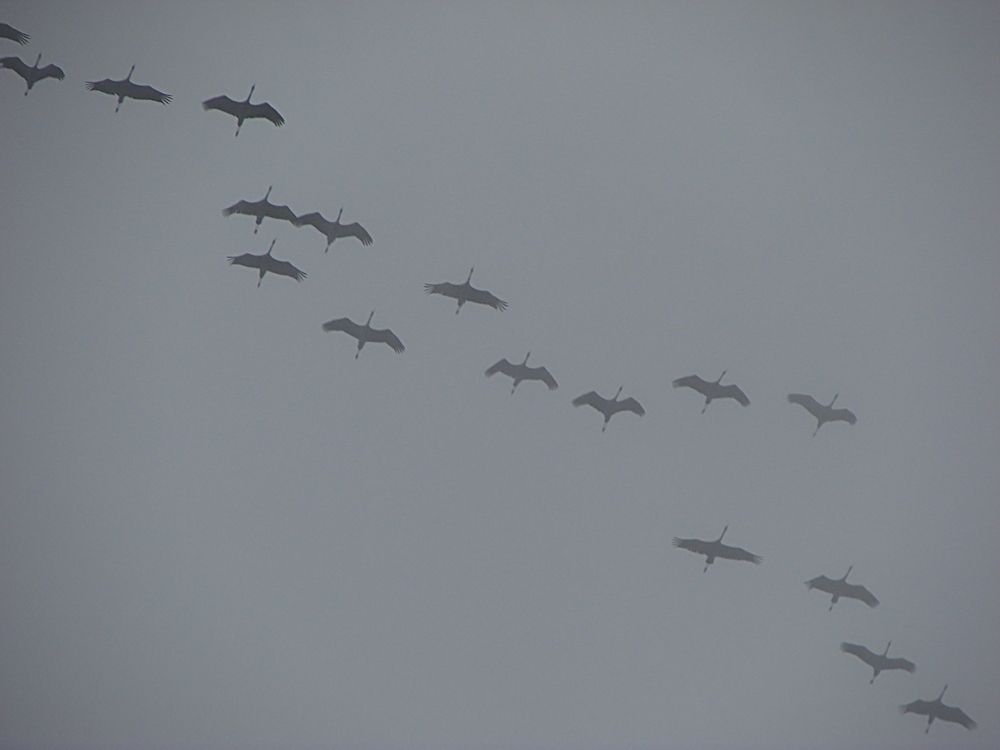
(823, 412)
(126, 89)
(365, 333)
(522, 372)
(33, 74)
(716, 548)
(265, 263)
(466, 293)
(609, 407)
(712, 391)
(937, 710)
(841, 588)
(244, 110)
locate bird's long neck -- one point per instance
(942, 693)
(722, 534)
(470, 275)
(884, 653)
(721, 377)
(251, 93)
(272, 245)
(525, 359)
(834, 399)
(339, 214)
(847, 573)
(39, 59)
(618, 394)
(268, 191)
(129, 76)
(370, 318)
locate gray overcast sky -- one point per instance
(219, 529)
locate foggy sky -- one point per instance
(219, 529)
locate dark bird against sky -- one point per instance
(466, 293)
(365, 333)
(125, 88)
(609, 407)
(9, 32)
(822, 412)
(841, 588)
(244, 110)
(712, 391)
(265, 263)
(33, 74)
(260, 209)
(522, 372)
(333, 230)
(936, 709)
(877, 662)
(716, 548)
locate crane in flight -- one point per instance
(125, 88)
(33, 74)
(466, 293)
(712, 391)
(937, 710)
(333, 230)
(522, 372)
(244, 110)
(841, 588)
(265, 263)
(260, 209)
(878, 662)
(609, 407)
(365, 333)
(716, 548)
(823, 412)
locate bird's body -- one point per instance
(260, 209)
(878, 662)
(823, 412)
(841, 588)
(716, 548)
(244, 110)
(365, 333)
(522, 372)
(32, 74)
(466, 293)
(125, 88)
(609, 407)
(9, 32)
(712, 391)
(938, 710)
(333, 230)
(265, 263)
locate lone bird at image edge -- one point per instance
(712, 391)
(823, 412)
(34, 74)
(265, 263)
(244, 110)
(466, 293)
(334, 230)
(609, 407)
(365, 333)
(936, 709)
(841, 588)
(522, 372)
(878, 662)
(261, 209)
(716, 548)
(9, 32)
(125, 88)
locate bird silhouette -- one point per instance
(716, 548)
(125, 88)
(823, 412)
(466, 293)
(244, 110)
(365, 333)
(877, 662)
(712, 391)
(33, 74)
(522, 372)
(609, 407)
(333, 230)
(936, 709)
(841, 588)
(9, 32)
(265, 263)
(261, 209)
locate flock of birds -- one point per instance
(465, 292)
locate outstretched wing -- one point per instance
(956, 715)
(106, 86)
(897, 663)
(247, 259)
(17, 65)
(698, 546)
(732, 391)
(279, 212)
(246, 208)
(822, 583)
(857, 591)
(630, 404)
(810, 404)
(590, 399)
(221, 103)
(845, 415)
(540, 373)
(346, 325)
(738, 553)
(446, 288)
(51, 71)
(861, 652)
(284, 268)
(387, 337)
(918, 707)
(146, 93)
(502, 366)
(314, 219)
(356, 230)
(485, 298)
(693, 381)
(9, 32)
(267, 112)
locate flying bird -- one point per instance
(938, 710)
(822, 412)
(265, 263)
(465, 293)
(712, 390)
(522, 372)
(244, 110)
(716, 548)
(841, 588)
(126, 88)
(878, 662)
(333, 230)
(260, 209)
(9, 32)
(34, 74)
(365, 333)
(609, 407)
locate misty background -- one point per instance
(219, 529)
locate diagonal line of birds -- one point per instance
(464, 292)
